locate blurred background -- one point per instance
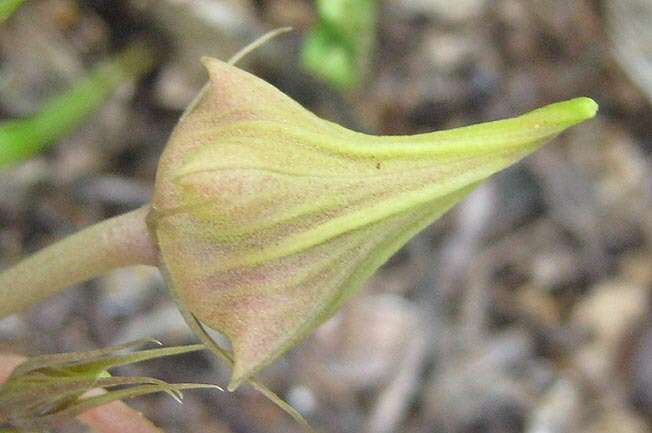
(525, 309)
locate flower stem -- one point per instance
(120, 241)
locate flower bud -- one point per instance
(268, 217)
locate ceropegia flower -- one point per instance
(268, 217)
(49, 390)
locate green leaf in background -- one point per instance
(338, 48)
(46, 390)
(21, 139)
(8, 7)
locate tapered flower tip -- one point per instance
(268, 217)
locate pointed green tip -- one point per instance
(240, 374)
(234, 383)
(586, 108)
(568, 113)
(562, 115)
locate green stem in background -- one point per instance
(117, 242)
(20, 139)
(8, 7)
(338, 48)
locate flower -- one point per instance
(268, 217)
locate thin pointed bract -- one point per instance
(88, 403)
(47, 390)
(72, 358)
(268, 217)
